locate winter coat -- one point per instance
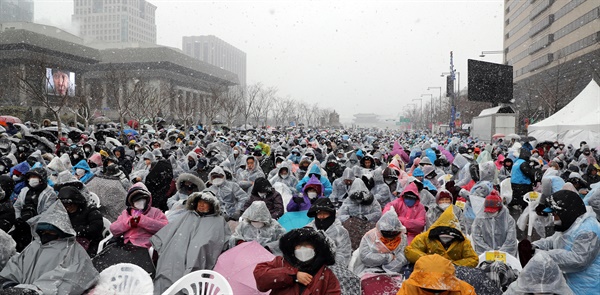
(266, 236)
(291, 181)
(375, 257)
(435, 272)
(306, 201)
(273, 200)
(398, 150)
(413, 218)
(236, 162)
(150, 222)
(540, 275)
(111, 193)
(40, 201)
(23, 168)
(360, 203)
(381, 190)
(189, 243)
(497, 232)
(340, 189)
(87, 220)
(88, 171)
(230, 195)
(7, 212)
(435, 212)
(158, 182)
(315, 169)
(181, 194)
(246, 177)
(576, 253)
(521, 172)
(58, 267)
(460, 252)
(340, 236)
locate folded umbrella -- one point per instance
(293, 220)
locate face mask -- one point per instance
(558, 222)
(257, 224)
(494, 214)
(2, 168)
(236, 152)
(284, 176)
(16, 178)
(311, 195)
(191, 164)
(410, 202)
(446, 238)
(304, 253)
(218, 181)
(262, 195)
(556, 145)
(444, 206)
(75, 156)
(87, 150)
(139, 204)
(80, 172)
(34, 182)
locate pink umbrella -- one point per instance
(237, 266)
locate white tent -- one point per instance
(578, 121)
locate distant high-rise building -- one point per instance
(124, 21)
(16, 10)
(217, 52)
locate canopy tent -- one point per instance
(578, 121)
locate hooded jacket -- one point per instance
(58, 267)
(381, 190)
(316, 170)
(291, 181)
(492, 232)
(246, 177)
(151, 219)
(20, 169)
(306, 201)
(7, 212)
(460, 252)
(111, 193)
(87, 220)
(272, 199)
(435, 272)
(540, 275)
(360, 203)
(37, 200)
(398, 150)
(181, 193)
(230, 195)
(413, 218)
(279, 274)
(435, 212)
(191, 242)
(88, 171)
(266, 236)
(340, 189)
(375, 257)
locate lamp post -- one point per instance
(483, 53)
(414, 105)
(420, 99)
(431, 109)
(440, 88)
(453, 98)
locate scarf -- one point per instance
(391, 243)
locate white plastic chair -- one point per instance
(94, 199)
(104, 242)
(124, 279)
(201, 282)
(106, 230)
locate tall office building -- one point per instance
(217, 52)
(123, 21)
(16, 10)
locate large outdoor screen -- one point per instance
(490, 82)
(60, 82)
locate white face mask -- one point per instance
(444, 206)
(87, 150)
(304, 253)
(218, 181)
(257, 224)
(284, 176)
(15, 178)
(139, 204)
(235, 152)
(262, 195)
(34, 182)
(79, 172)
(446, 238)
(558, 222)
(311, 195)
(2, 168)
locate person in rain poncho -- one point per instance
(263, 191)
(54, 263)
(382, 248)
(303, 267)
(495, 229)
(85, 219)
(315, 170)
(506, 170)
(410, 211)
(434, 274)
(541, 275)
(236, 159)
(192, 242)
(341, 186)
(324, 213)
(312, 191)
(367, 164)
(591, 175)
(230, 195)
(246, 177)
(445, 239)
(186, 185)
(82, 171)
(110, 191)
(256, 224)
(444, 200)
(158, 182)
(360, 203)
(460, 169)
(284, 175)
(7, 212)
(576, 243)
(139, 221)
(8, 248)
(381, 190)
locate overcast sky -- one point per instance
(351, 56)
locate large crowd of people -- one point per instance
(422, 210)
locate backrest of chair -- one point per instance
(94, 199)
(201, 282)
(125, 279)
(106, 230)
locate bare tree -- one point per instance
(120, 90)
(282, 108)
(250, 97)
(80, 107)
(231, 104)
(212, 103)
(144, 98)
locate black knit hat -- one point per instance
(321, 204)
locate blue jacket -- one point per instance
(88, 171)
(516, 175)
(327, 188)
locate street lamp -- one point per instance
(431, 109)
(440, 88)
(483, 53)
(420, 99)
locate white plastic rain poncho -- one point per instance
(463, 177)
(360, 203)
(8, 248)
(495, 232)
(488, 172)
(340, 236)
(375, 257)
(540, 275)
(230, 194)
(436, 211)
(267, 233)
(290, 181)
(189, 243)
(246, 177)
(381, 191)
(61, 266)
(340, 189)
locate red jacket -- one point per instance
(150, 223)
(279, 277)
(413, 218)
